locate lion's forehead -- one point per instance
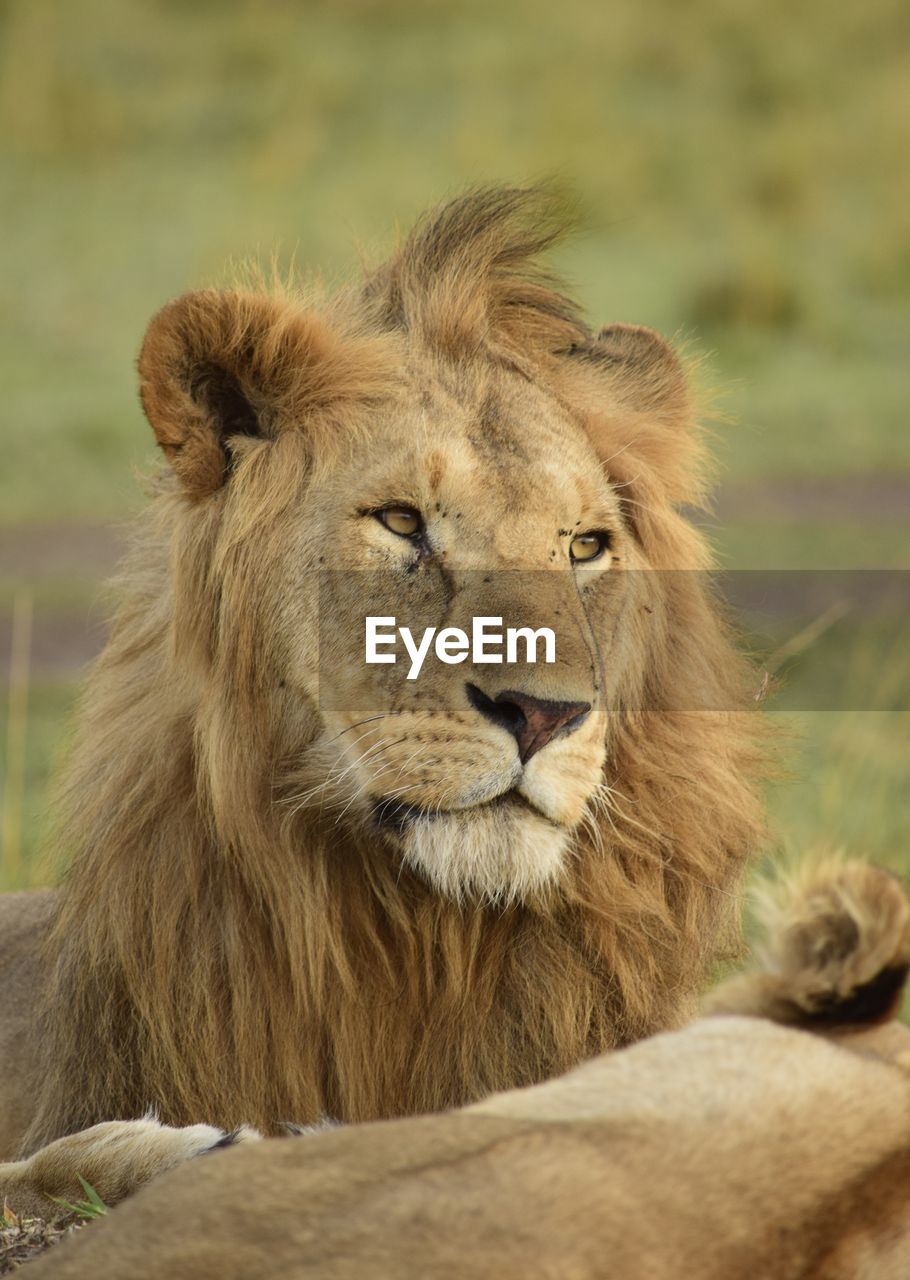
(499, 450)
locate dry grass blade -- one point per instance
(799, 643)
(807, 637)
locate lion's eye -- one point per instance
(589, 546)
(404, 521)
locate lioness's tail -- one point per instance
(836, 951)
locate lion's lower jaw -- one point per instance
(497, 855)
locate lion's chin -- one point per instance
(499, 852)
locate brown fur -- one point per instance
(223, 961)
(24, 921)
(734, 1149)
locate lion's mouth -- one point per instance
(397, 815)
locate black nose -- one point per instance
(531, 721)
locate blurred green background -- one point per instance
(742, 172)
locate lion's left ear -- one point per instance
(220, 365)
(645, 373)
(638, 410)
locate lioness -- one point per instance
(737, 1149)
(287, 900)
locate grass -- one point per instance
(16, 737)
(87, 1209)
(754, 544)
(48, 710)
(843, 706)
(23, 1239)
(740, 172)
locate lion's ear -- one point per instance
(639, 411)
(216, 366)
(645, 373)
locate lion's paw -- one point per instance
(117, 1157)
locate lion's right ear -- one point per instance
(219, 365)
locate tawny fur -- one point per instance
(836, 932)
(729, 1150)
(221, 961)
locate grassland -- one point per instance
(741, 174)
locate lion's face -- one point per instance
(476, 774)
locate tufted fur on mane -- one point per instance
(220, 960)
(467, 279)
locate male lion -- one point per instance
(280, 908)
(770, 1146)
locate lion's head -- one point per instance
(531, 861)
(450, 443)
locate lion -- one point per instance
(295, 894)
(768, 1139)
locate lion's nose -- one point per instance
(531, 721)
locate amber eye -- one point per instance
(404, 521)
(589, 546)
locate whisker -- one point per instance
(334, 778)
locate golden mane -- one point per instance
(221, 958)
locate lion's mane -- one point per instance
(222, 961)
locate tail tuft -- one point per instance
(837, 949)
